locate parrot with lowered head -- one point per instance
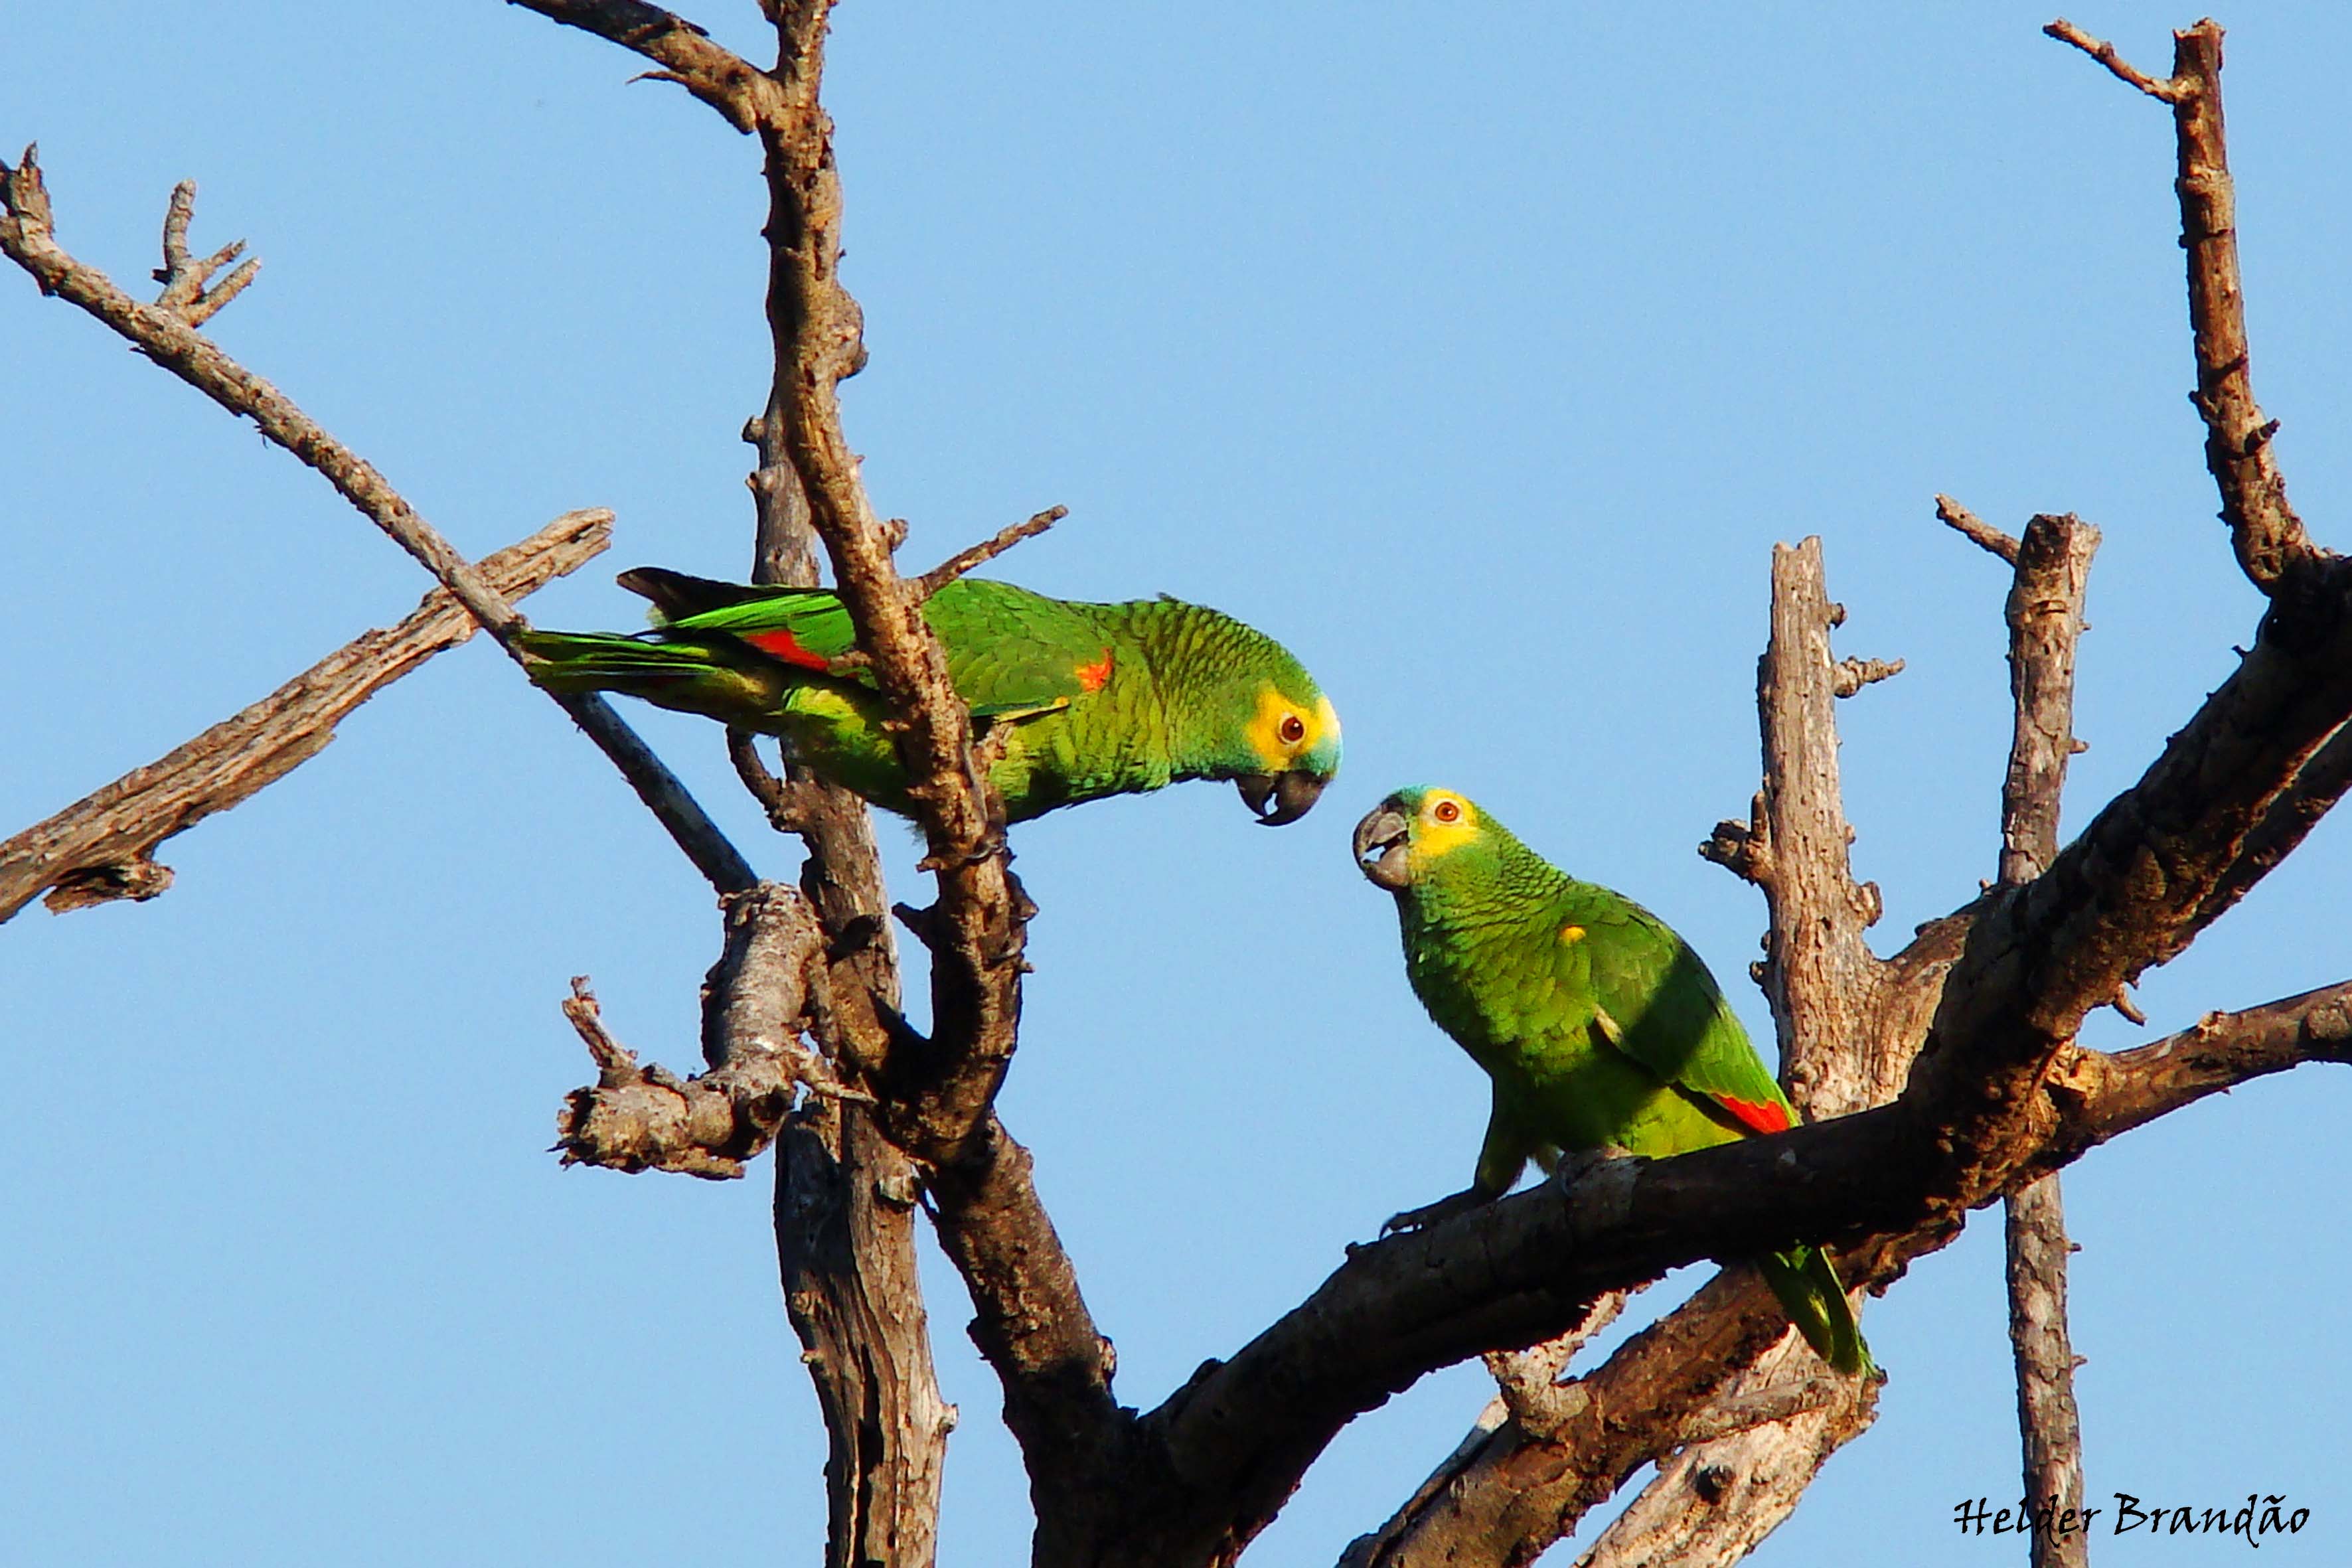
(1600, 1027)
(1078, 700)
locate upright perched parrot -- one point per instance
(1082, 701)
(1598, 1024)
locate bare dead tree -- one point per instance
(1936, 1082)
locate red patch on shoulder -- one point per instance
(1093, 677)
(780, 644)
(1756, 1115)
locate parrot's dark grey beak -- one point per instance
(1382, 849)
(1280, 799)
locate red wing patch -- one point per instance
(1093, 677)
(1756, 1115)
(780, 644)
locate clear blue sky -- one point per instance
(1480, 352)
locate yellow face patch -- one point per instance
(1444, 824)
(1283, 730)
(1570, 932)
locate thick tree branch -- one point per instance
(1031, 1320)
(163, 333)
(1749, 1459)
(2092, 1097)
(2317, 785)
(938, 1097)
(1818, 973)
(2044, 614)
(1530, 1403)
(1380, 1314)
(938, 1093)
(845, 1194)
(1668, 1386)
(1032, 1325)
(103, 847)
(2166, 857)
(846, 1242)
(2096, 1096)
(2269, 538)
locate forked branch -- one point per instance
(164, 334)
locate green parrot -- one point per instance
(1077, 700)
(1598, 1025)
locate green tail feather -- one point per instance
(693, 678)
(1806, 1281)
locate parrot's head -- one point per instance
(1279, 742)
(1407, 840)
(1239, 706)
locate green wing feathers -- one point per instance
(1674, 1020)
(1668, 1013)
(1008, 650)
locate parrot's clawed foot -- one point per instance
(1443, 1209)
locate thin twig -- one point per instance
(183, 279)
(1976, 528)
(1851, 674)
(2271, 546)
(1743, 848)
(2163, 87)
(965, 560)
(166, 337)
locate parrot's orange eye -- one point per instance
(1446, 811)
(1293, 730)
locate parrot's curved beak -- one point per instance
(1281, 798)
(1382, 849)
